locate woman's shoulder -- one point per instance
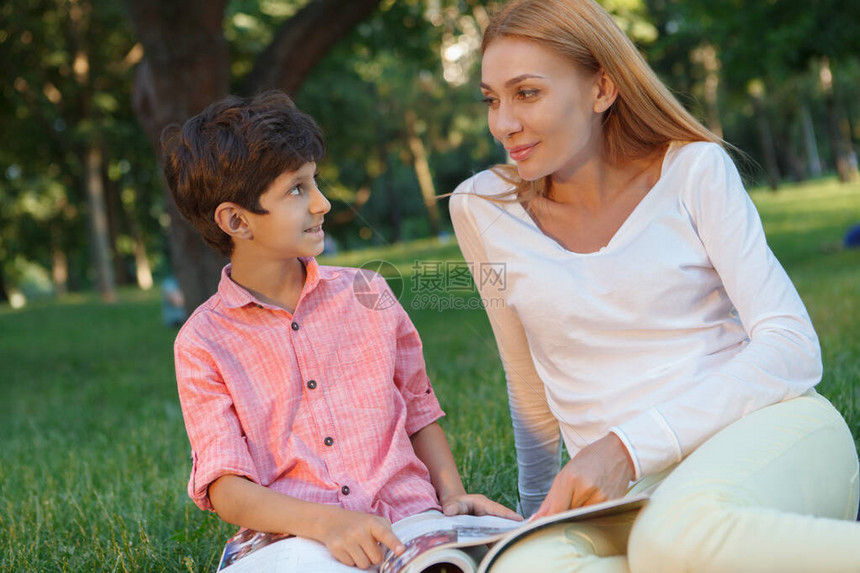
(691, 153)
(705, 177)
(488, 182)
(695, 166)
(484, 195)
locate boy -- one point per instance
(307, 413)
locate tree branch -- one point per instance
(302, 41)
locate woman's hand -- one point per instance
(477, 504)
(354, 538)
(599, 472)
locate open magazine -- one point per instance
(463, 543)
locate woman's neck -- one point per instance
(583, 213)
(600, 182)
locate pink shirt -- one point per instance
(318, 405)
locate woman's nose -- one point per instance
(504, 122)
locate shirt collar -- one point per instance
(234, 296)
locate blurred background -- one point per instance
(93, 453)
(88, 85)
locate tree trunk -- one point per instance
(846, 160)
(98, 220)
(59, 262)
(841, 155)
(196, 266)
(768, 148)
(186, 67)
(813, 160)
(4, 292)
(115, 217)
(59, 271)
(707, 57)
(422, 171)
(91, 152)
(395, 213)
(143, 270)
(789, 161)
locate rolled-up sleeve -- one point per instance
(410, 377)
(218, 445)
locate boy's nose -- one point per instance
(319, 203)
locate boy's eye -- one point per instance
(302, 188)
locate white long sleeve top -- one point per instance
(683, 323)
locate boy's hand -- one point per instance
(477, 504)
(353, 537)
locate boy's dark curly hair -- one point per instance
(231, 152)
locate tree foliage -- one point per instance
(393, 83)
(69, 70)
(770, 57)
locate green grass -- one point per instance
(805, 225)
(94, 458)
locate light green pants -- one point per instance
(774, 492)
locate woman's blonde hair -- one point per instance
(644, 117)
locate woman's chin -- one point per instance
(528, 173)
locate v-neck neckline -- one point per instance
(623, 228)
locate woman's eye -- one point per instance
(489, 101)
(527, 94)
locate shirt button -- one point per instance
(312, 384)
(345, 490)
(328, 441)
(295, 326)
(259, 305)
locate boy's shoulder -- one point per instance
(373, 270)
(363, 284)
(355, 288)
(369, 294)
(201, 321)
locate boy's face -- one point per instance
(293, 225)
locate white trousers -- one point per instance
(776, 491)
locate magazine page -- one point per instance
(612, 507)
(244, 553)
(445, 537)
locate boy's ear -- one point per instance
(607, 92)
(231, 219)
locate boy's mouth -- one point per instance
(314, 229)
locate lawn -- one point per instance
(94, 458)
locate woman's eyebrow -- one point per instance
(516, 80)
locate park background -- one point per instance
(93, 454)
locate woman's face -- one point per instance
(542, 107)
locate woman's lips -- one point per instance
(521, 152)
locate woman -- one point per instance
(646, 321)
